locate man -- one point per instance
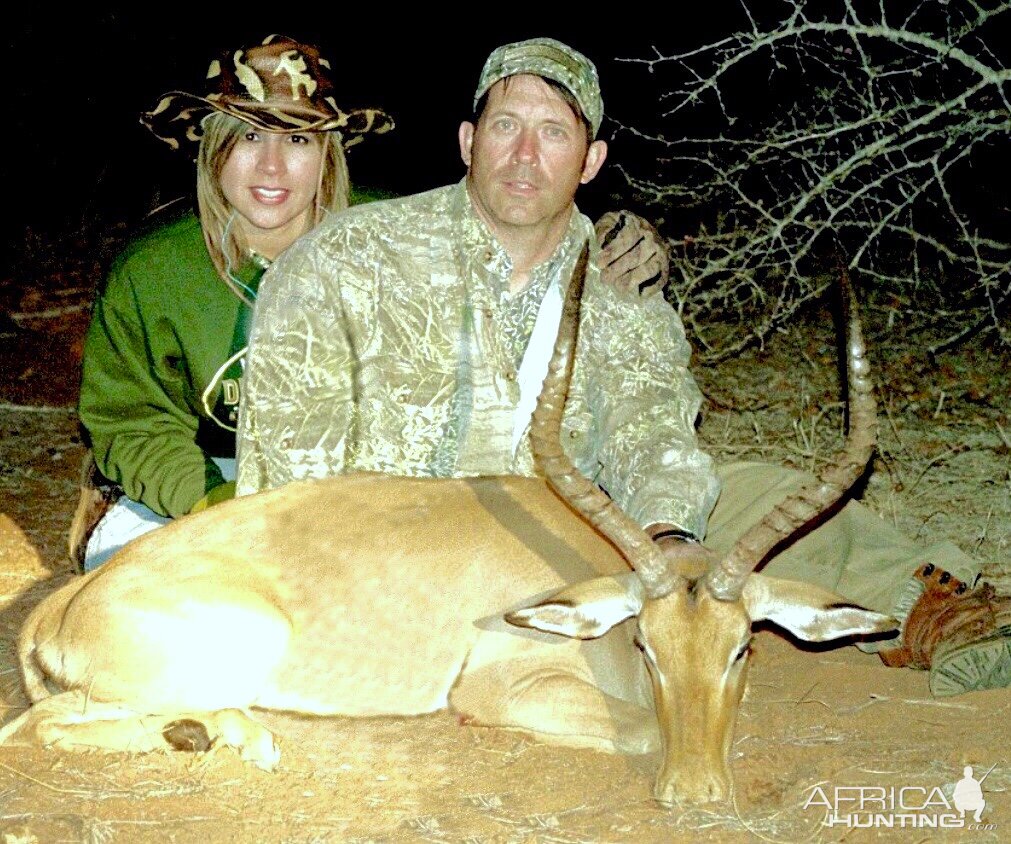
(411, 337)
(403, 338)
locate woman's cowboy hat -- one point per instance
(279, 85)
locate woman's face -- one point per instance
(270, 179)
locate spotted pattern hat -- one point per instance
(553, 60)
(280, 85)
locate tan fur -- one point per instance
(306, 598)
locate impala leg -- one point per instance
(70, 722)
(559, 707)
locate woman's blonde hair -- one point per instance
(225, 242)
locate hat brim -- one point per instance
(176, 119)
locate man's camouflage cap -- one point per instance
(280, 85)
(553, 60)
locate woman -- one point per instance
(162, 359)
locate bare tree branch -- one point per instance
(876, 132)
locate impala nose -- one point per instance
(698, 787)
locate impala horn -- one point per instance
(579, 492)
(726, 580)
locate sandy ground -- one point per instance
(811, 722)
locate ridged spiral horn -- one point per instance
(726, 580)
(642, 554)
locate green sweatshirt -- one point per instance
(163, 329)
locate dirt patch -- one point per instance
(811, 720)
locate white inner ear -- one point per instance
(810, 612)
(585, 610)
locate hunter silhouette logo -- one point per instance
(968, 796)
(917, 807)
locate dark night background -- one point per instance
(77, 82)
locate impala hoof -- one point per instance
(187, 735)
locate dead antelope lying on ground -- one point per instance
(305, 599)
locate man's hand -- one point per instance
(633, 255)
(688, 557)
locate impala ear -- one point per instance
(810, 612)
(586, 610)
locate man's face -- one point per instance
(527, 156)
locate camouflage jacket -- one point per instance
(386, 340)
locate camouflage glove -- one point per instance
(222, 492)
(633, 255)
